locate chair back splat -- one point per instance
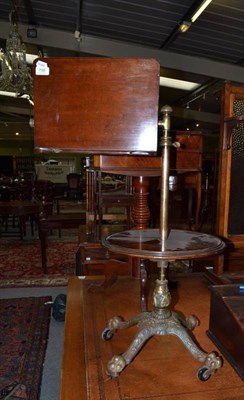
(74, 186)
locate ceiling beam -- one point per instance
(112, 48)
(195, 115)
(5, 109)
(30, 12)
(13, 138)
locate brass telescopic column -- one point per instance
(164, 197)
(166, 144)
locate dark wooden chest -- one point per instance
(226, 325)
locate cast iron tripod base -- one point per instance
(161, 321)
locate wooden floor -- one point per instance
(163, 370)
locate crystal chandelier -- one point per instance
(15, 74)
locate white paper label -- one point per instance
(42, 68)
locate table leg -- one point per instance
(43, 240)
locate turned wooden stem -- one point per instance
(141, 212)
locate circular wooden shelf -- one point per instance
(180, 244)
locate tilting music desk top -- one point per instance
(180, 244)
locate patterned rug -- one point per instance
(20, 263)
(24, 329)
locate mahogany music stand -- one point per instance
(111, 107)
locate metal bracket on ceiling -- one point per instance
(184, 24)
(78, 30)
(30, 12)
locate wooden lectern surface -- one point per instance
(97, 105)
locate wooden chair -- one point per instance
(15, 191)
(112, 196)
(58, 221)
(74, 186)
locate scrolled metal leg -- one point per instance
(189, 322)
(211, 362)
(119, 362)
(183, 335)
(116, 323)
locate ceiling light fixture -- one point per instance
(188, 101)
(184, 26)
(192, 16)
(15, 74)
(186, 22)
(200, 9)
(178, 83)
(8, 94)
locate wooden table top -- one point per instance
(19, 207)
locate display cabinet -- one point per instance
(24, 165)
(230, 211)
